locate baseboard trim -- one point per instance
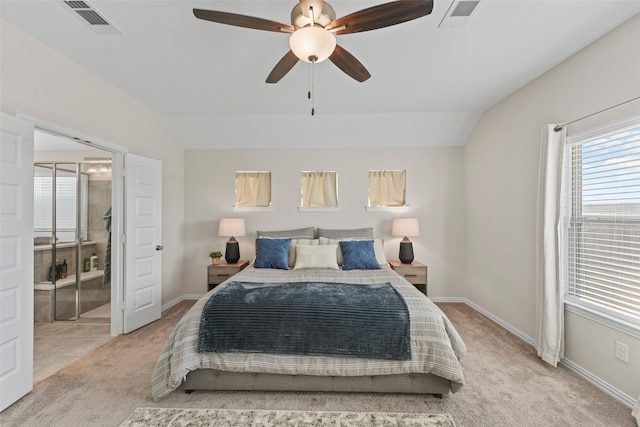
(599, 383)
(515, 331)
(180, 299)
(577, 369)
(448, 299)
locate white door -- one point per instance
(143, 241)
(16, 259)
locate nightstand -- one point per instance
(415, 273)
(218, 273)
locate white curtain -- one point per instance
(319, 188)
(387, 187)
(253, 189)
(550, 253)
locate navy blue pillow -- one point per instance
(358, 255)
(272, 253)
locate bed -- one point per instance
(434, 347)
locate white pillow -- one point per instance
(299, 242)
(378, 249)
(310, 256)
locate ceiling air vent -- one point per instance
(459, 13)
(90, 16)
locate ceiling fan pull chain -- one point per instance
(309, 82)
(313, 60)
(312, 91)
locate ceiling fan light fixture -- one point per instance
(312, 44)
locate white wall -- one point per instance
(42, 83)
(434, 191)
(501, 166)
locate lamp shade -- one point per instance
(407, 227)
(230, 227)
(312, 44)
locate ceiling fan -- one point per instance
(314, 27)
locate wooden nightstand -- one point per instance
(415, 273)
(217, 274)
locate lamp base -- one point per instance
(406, 253)
(232, 253)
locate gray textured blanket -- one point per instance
(310, 318)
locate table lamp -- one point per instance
(405, 227)
(230, 227)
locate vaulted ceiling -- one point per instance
(435, 75)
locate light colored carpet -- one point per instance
(506, 385)
(170, 417)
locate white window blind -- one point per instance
(319, 189)
(65, 203)
(253, 189)
(602, 178)
(387, 187)
(42, 202)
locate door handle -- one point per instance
(159, 247)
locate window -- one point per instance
(602, 195)
(66, 193)
(253, 189)
(387, 188)
(319, 189)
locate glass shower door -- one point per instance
(44, 251)
(66, 233)
(71, 243)
(55, 241)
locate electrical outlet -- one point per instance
(622, 352)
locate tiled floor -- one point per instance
(103, 312)
(58, 344)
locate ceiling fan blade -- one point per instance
(282, 67)
(242, 21)
(349, 64)
(383, 15)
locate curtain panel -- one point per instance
(319, 189)
(550, 243)
(387, 187)
(253, 189)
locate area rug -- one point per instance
(173, 417)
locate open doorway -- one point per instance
(72, 225)
(136, 211)
(72, 257)
(136, 195)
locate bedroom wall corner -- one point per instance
(501, 167)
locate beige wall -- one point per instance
(434, 191)
(501, 166)
(40, 82)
